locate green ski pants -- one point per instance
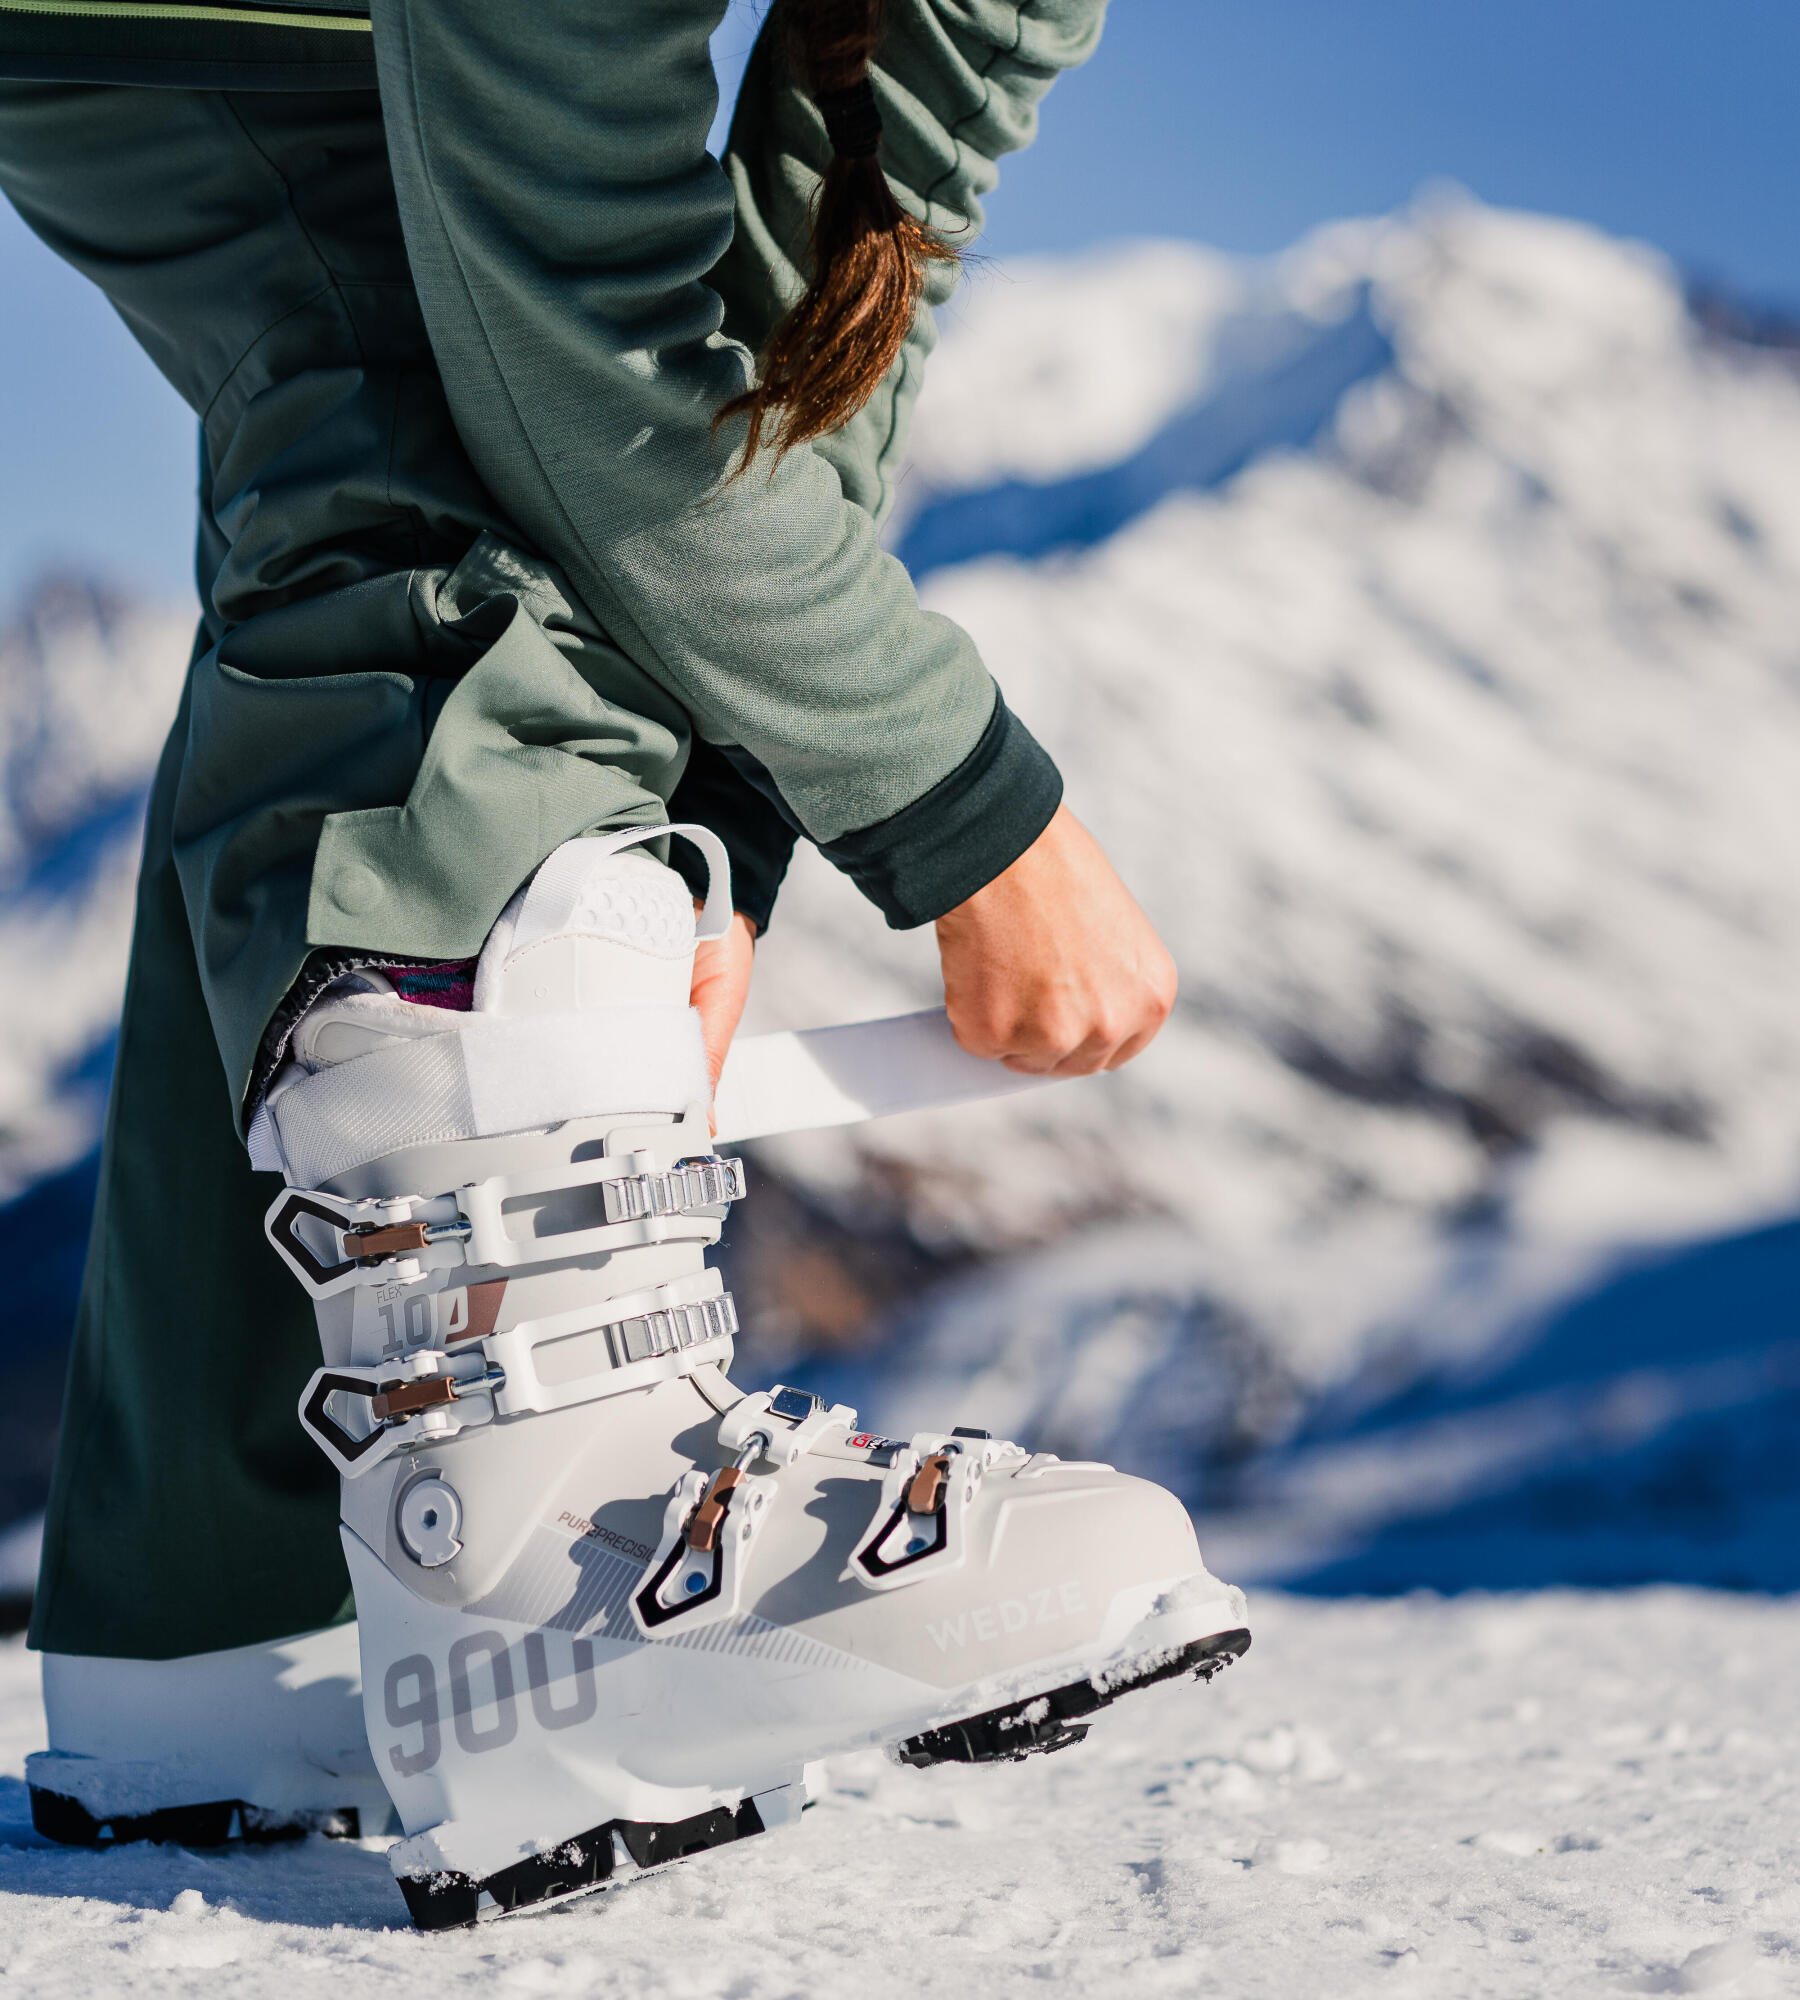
(398, 702)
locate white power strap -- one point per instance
(798, 1081)
(491, 1073)
(814, 1077)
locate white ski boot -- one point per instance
(610, 1606)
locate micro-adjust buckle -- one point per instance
(670, 1329)
(918, 1525)
(696, 1577)
(411, 1401)
(702, 1181)
(626, 1343)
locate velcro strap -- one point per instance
(806, 1079)
(490, 1074)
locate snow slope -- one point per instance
(1534, 1796)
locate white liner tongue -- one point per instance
(601, 922)
(590, 890)
(593, 926)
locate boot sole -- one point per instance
(1053, 1721)
(1035, 1727)
(449, 1901)
(214, 1824)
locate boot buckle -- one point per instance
(918, 1529)
(701, 1181)
(696, 1577)
(362, 1236)
(422, 1399)
(788, 1421)
(381, 1242)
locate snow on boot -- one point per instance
(611, 1607)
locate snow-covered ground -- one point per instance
(1542, 1795)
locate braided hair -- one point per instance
(869, 257)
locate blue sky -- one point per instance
(1241, 125)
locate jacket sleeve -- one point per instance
(562, 220)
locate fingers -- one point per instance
(1052, 969)
(1102, 1032)
(718, 1023)
(721, 985)
(1066, 1024)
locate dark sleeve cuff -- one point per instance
(758, 835)
(970, 827)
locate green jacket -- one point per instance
(593, 286)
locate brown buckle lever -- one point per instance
(394, 1241)
(703, 1527)
(927, 1487)
(404, 1399)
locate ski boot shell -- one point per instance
(664, 1611)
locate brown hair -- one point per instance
(869, 257)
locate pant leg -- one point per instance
(405, 708)
(188, 1510)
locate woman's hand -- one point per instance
(721, 986)
(1053, 968)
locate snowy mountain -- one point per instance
(1415, 621)
(1414, 617)
(88, 684)
(1455, 754)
